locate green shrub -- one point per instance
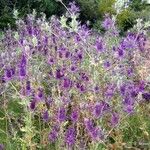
(49, 7)
(89, 9)
(126, 19)
(106, 6)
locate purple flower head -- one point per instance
(80, 56)
(141, 86)
(129, 42)
(146, 96)
(89, 124)
(141, 41)
(129, 109)
(108, 23)
(84, 77)
(77, 39)
(120, 52)
(67, 83)
(67, 54)
(23, 61)
(51, 61)
(106, 106)
(28, 85)
(59, 74)
(110, 91)
(98, 110)
(29, 29)
(73, 68)
(99, 45)
(66, 100)
(128, 100)
(82, 88)
(53, 135)
(22, 72)
(130, 72)
(61, 114)
(74, 116)
(45, 41)
(33, 104)
(84, 32)
(46, 116)
(114, 119)
(70, 136)
(13, 71)
(106, 64)
(60, 54)
(74, 9)
(49, 102)
(40, 93)
(96, 89)
(2, 79)
(62, 48)
(96, 134)
(8, 74)
(56, 128)
(122, 89)
(134, 93)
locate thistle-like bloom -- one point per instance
(33, 104)
(129, 109)
(45, 116)
(70, 136)
(67, 83)
(51, 61)
(146, 96)
(114, 119)
(96, 89)
(96, 134)
(106, 64)
(8, 74)
(73, 68)
(84, 77)
(123, 89)
(108, 23)
(99, 45)
(73, 8)
(128, 100)
(141, 42)
(22, 72)
(120, 52)
(74, 116)
(40, 93)
(12, 71)
(129, 42)
(59, 74)
(67, 54)
(110, 91)
(81, 87)
(53, 135)
(23, 61)
(28, 85)
(89, 124)
(141, 86)
(61, 114)
(98, 110)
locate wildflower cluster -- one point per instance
(81, 83)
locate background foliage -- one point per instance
(92, 10)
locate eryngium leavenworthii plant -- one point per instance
(81, 84)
